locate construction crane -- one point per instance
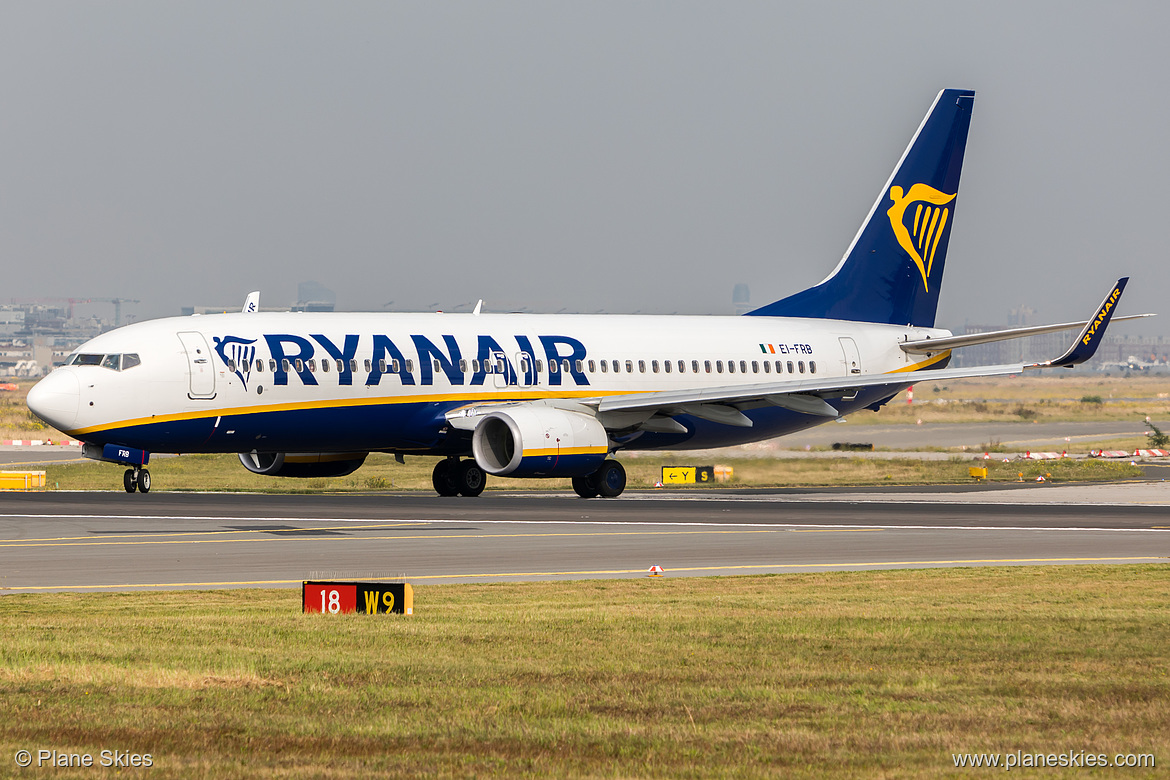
(117, 307)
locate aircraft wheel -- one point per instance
(586, 486)
(470, 478)
(443, 477)
(128, 480)
(611, 479)
(143, 481)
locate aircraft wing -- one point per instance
(724, 404)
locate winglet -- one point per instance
(252, 303)
(1091, 335)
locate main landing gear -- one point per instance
(136, 479)
(454, 477)
(608, 481)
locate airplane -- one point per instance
(302, 394)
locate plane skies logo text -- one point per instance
(418, 363)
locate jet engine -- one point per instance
(539, 441)
(303, 464)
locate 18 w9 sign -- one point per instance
(370, 598)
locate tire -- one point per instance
(129, 482)
(443, 478)
(610, 479)
(470, 478)
(586, 487)
(143, 481)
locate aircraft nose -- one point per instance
(56, 399)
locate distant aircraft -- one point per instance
(1132, 363)
(528, 395)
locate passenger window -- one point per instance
(743, 366)
(553, 367)
(707, 366)
(395, 366)
(581, 366)
(409, 366)
(617, 367)
(791, 368)
(324, 366)
(231, 365)
(382, 366)
(475, 366)
(812, 366)
(284, 365)
(719, 366)
(629, 366)
(801, 364)
(666, 365)
(353, 366)
(694, 366)
(367, 364)
(300, 365)
(462, 365)
(767, 367)
(779, 367)
(593, 367)
(539, 366)
(438, 365)
(259, 365)
(312, 366)
(272, 365)
(654, 366)
(604, 366)
(641, 366)
(682, 366)
(565, 365)
(731, 366)
(341, 366)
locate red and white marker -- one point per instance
(655, 571)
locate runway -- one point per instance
(113, 541)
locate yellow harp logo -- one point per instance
(919, 239)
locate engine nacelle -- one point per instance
(303, 464)
(539, 441)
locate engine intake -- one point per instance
(303, 464)
(537, 441)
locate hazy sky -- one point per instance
(626, 156)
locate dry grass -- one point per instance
(224, 472)
(842, 674)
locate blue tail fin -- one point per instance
(892, 272)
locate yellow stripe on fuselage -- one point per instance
(924, 364)
(335, 404)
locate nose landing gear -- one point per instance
(136, 479)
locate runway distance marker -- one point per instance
(368, 598)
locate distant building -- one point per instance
(741, 299)
(312, 296)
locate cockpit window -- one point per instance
(112, 362)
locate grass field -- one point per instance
(224, 472)
(867, 674)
